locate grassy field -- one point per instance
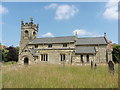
(57, 76)
(0, 76)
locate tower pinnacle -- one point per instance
(76, 34)
(31, 19)
(104, 33)
(22, 21)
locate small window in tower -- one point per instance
(25, 50)
(34, 33)
(26, 33)
(36, 46)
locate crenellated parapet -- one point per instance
(28, 25)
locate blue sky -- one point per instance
(88, 19)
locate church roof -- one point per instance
(91, 41)
(33, 52)
(65, 39)
(69, 39)
(85, 50)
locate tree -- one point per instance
(17, 50)
(116, 53)
(4, 52)
(12, 54)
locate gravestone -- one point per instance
(111, 67)
(91, 64)
(95, 65)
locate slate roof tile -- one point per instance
(65, 39)
(85, 50)
(91, 40)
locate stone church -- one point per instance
(59, 50)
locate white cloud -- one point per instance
(53, 5)
(82, 32)
(1, 23)
(48, 35)
(3, 10)
(111, 10)
(63, 11)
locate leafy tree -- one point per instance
(4, 52)
(17, 50)
(12, 54)
(116, 53)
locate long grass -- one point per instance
(58, 76)
(0, 76)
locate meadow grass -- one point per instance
(0, 76)
(9, 63)
(58, 76)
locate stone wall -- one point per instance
(54, 56)
(71, 45)
(29, 32)
(99, 57)
(71, 57)
(76, 59)
(26, 55)
(101, 53)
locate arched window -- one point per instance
(34, 33)
(26, 33)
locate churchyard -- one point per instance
(58, 76)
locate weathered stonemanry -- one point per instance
(61, 50)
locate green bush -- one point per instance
(116, 53)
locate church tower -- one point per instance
(29, 32)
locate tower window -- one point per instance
(26, 33)
(49, 45)
(34, 33)
(25, 50)
(65, 45)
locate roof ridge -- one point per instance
(55, 37)
(89, 37)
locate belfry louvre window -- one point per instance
(62, 57)
(49, 45)
(65, 45)
(44, 57)
(26, 33)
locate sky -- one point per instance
(88, 19)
